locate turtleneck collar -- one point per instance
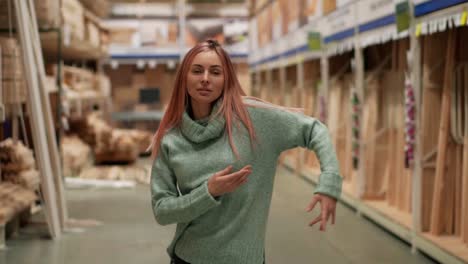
(203, 129)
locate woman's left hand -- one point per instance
(327, 207)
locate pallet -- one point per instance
(11, 228)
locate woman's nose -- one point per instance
(205, 76)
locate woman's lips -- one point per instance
(204, 91)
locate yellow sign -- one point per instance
(418, 29)
(300, 59)
(463, 18)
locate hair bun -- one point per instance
(213, 43)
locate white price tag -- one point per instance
(66, 35)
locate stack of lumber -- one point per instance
(275, 88)
(18, 164)
(83, 83)
(339, 121)
(11, 75)
(73, 19)
(98, 7)
(76, 155)
(383, 131)
(312, 68)
(434, 48)
(92, 33)
(78, 79)
(47, 12)
(444, 135)
(397, 179)
(103, 84)
(262, 87)
(289, 100)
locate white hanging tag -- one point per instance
(66, 35)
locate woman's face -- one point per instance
(205, 79)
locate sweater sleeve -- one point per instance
(168, 206)
(299, 130)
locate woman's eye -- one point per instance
(216, 72)
(197, 71)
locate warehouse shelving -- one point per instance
(58, 43)
(75, 50)
(353, 37)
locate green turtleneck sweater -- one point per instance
(231, 228)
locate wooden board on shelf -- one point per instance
(432, 81)
(75, 50)
(98, 7)
(437, 200)
(464, 217)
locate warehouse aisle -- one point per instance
(130, 234)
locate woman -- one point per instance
(215, 154)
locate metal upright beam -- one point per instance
(282, 73)
(182, 24)
(360, 89)
(414, 62)
(2, 107)
(324, 73)
(300, 80)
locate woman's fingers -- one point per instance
(225, 171)
(333, 216)
(324, 215)
(233, 177)
(327, 210)
(316, 220)
(230, 182)
(242, 179)
(313, 203)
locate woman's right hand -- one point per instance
(225, 182)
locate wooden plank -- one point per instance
(458, 188)
(46, 110)
(436, 226)
(37, 119)
(448, 196)
(409, 192)
(464, 220)
(429, 114)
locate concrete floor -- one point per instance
(130, 234)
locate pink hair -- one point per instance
(232, 106)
